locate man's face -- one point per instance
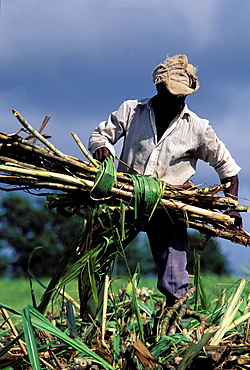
(168, 99)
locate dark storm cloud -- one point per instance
(77, 60)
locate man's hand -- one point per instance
(232, 192)
(237, 218)
(101, 153)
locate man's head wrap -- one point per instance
(177, 74)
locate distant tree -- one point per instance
(212, 259)
(138, 251)
(25, 224)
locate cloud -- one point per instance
(48, 31)
(78, 60)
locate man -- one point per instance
(164, 139)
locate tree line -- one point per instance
(28, 228)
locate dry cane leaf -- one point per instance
(143, 354)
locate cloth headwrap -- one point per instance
(177, 74)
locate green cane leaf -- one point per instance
(30, 339)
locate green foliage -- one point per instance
(130, 312)
(31, 320)
(30, 339)
(26, 225)
(138, 251)
(212, 260)
(17, 292)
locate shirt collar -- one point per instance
(184, 111)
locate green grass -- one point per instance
(16, 293)
(214, 284)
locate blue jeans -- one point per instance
(169, 245)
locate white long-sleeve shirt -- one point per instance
(173, 158)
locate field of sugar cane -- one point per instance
(117, 324)
(132, 330)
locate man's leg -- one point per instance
(169, 245)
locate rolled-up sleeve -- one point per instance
(214, 151)
(109, 132)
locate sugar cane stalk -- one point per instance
(37, 135)
(229, 315)
(84, 150)
(177, 205)
(174, 310)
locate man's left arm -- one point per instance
(214, 151)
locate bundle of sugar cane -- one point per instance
(28, 166)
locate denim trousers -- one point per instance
(169, 245)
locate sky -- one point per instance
(78, 60)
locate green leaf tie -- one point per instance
(104, 180)
(148, 191)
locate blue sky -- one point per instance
(77, 60)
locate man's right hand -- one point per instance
(101, 153)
